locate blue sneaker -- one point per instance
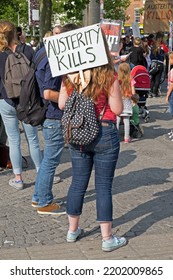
(113, 243)
(73, 236)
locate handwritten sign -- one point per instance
(135, 30)
(76, 50)
(112, 30)
(157, 15)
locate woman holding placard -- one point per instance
(101, 84)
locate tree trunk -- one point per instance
(92, 13)
(45, 16)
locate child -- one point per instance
(135, 129)
(127, 89)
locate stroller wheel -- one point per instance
(146, 119)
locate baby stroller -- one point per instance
(142, 86)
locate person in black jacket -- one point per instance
(137, 54)
(157, 55)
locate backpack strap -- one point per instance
(39, 59)
(102, 113)
(20, 48)
(36, 63)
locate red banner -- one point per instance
(112, 30)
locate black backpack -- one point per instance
(31, 108)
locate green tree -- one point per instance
(116, 9)
(68, 10)
(15, 11)
(45, 16)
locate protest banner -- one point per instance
(76, 50)
(135, 30)
(112, 30)
(157, 15)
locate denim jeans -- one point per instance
(11, 123)
(3, 135)
(170, 101)
(103, 154)
(53, 147)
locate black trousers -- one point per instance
(155, 79)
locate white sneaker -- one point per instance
(18, 185)
(170, 133)
(113, 243)
(171, 136)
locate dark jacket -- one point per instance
(46, 81)
(137, 57)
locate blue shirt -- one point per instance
(46, 81)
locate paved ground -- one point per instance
(142, 196)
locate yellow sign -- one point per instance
(157, 15)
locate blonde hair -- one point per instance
(7, 34)
(124, 77)
(137, 41)
(102, 78)
(48, 34)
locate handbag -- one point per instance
(4, 157)
(154, 67)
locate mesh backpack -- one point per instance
(17, 67)
(31, 108)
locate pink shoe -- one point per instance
(128, 140)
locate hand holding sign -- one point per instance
(80, 79)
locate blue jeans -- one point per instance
(53, 147)
(170, 101)
(103, 154)
(11, 124)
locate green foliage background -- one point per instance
(65, 10)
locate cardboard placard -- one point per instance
(136, 30)
(157, 15)
(76, 50)
(112, 30)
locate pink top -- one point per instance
(170, 77)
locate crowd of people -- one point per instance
(111, 90)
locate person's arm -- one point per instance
(133, 86)
(63, 96)
(51, 95)
(51, 85)
(115, 99)
(170, 85)
(170, 89)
